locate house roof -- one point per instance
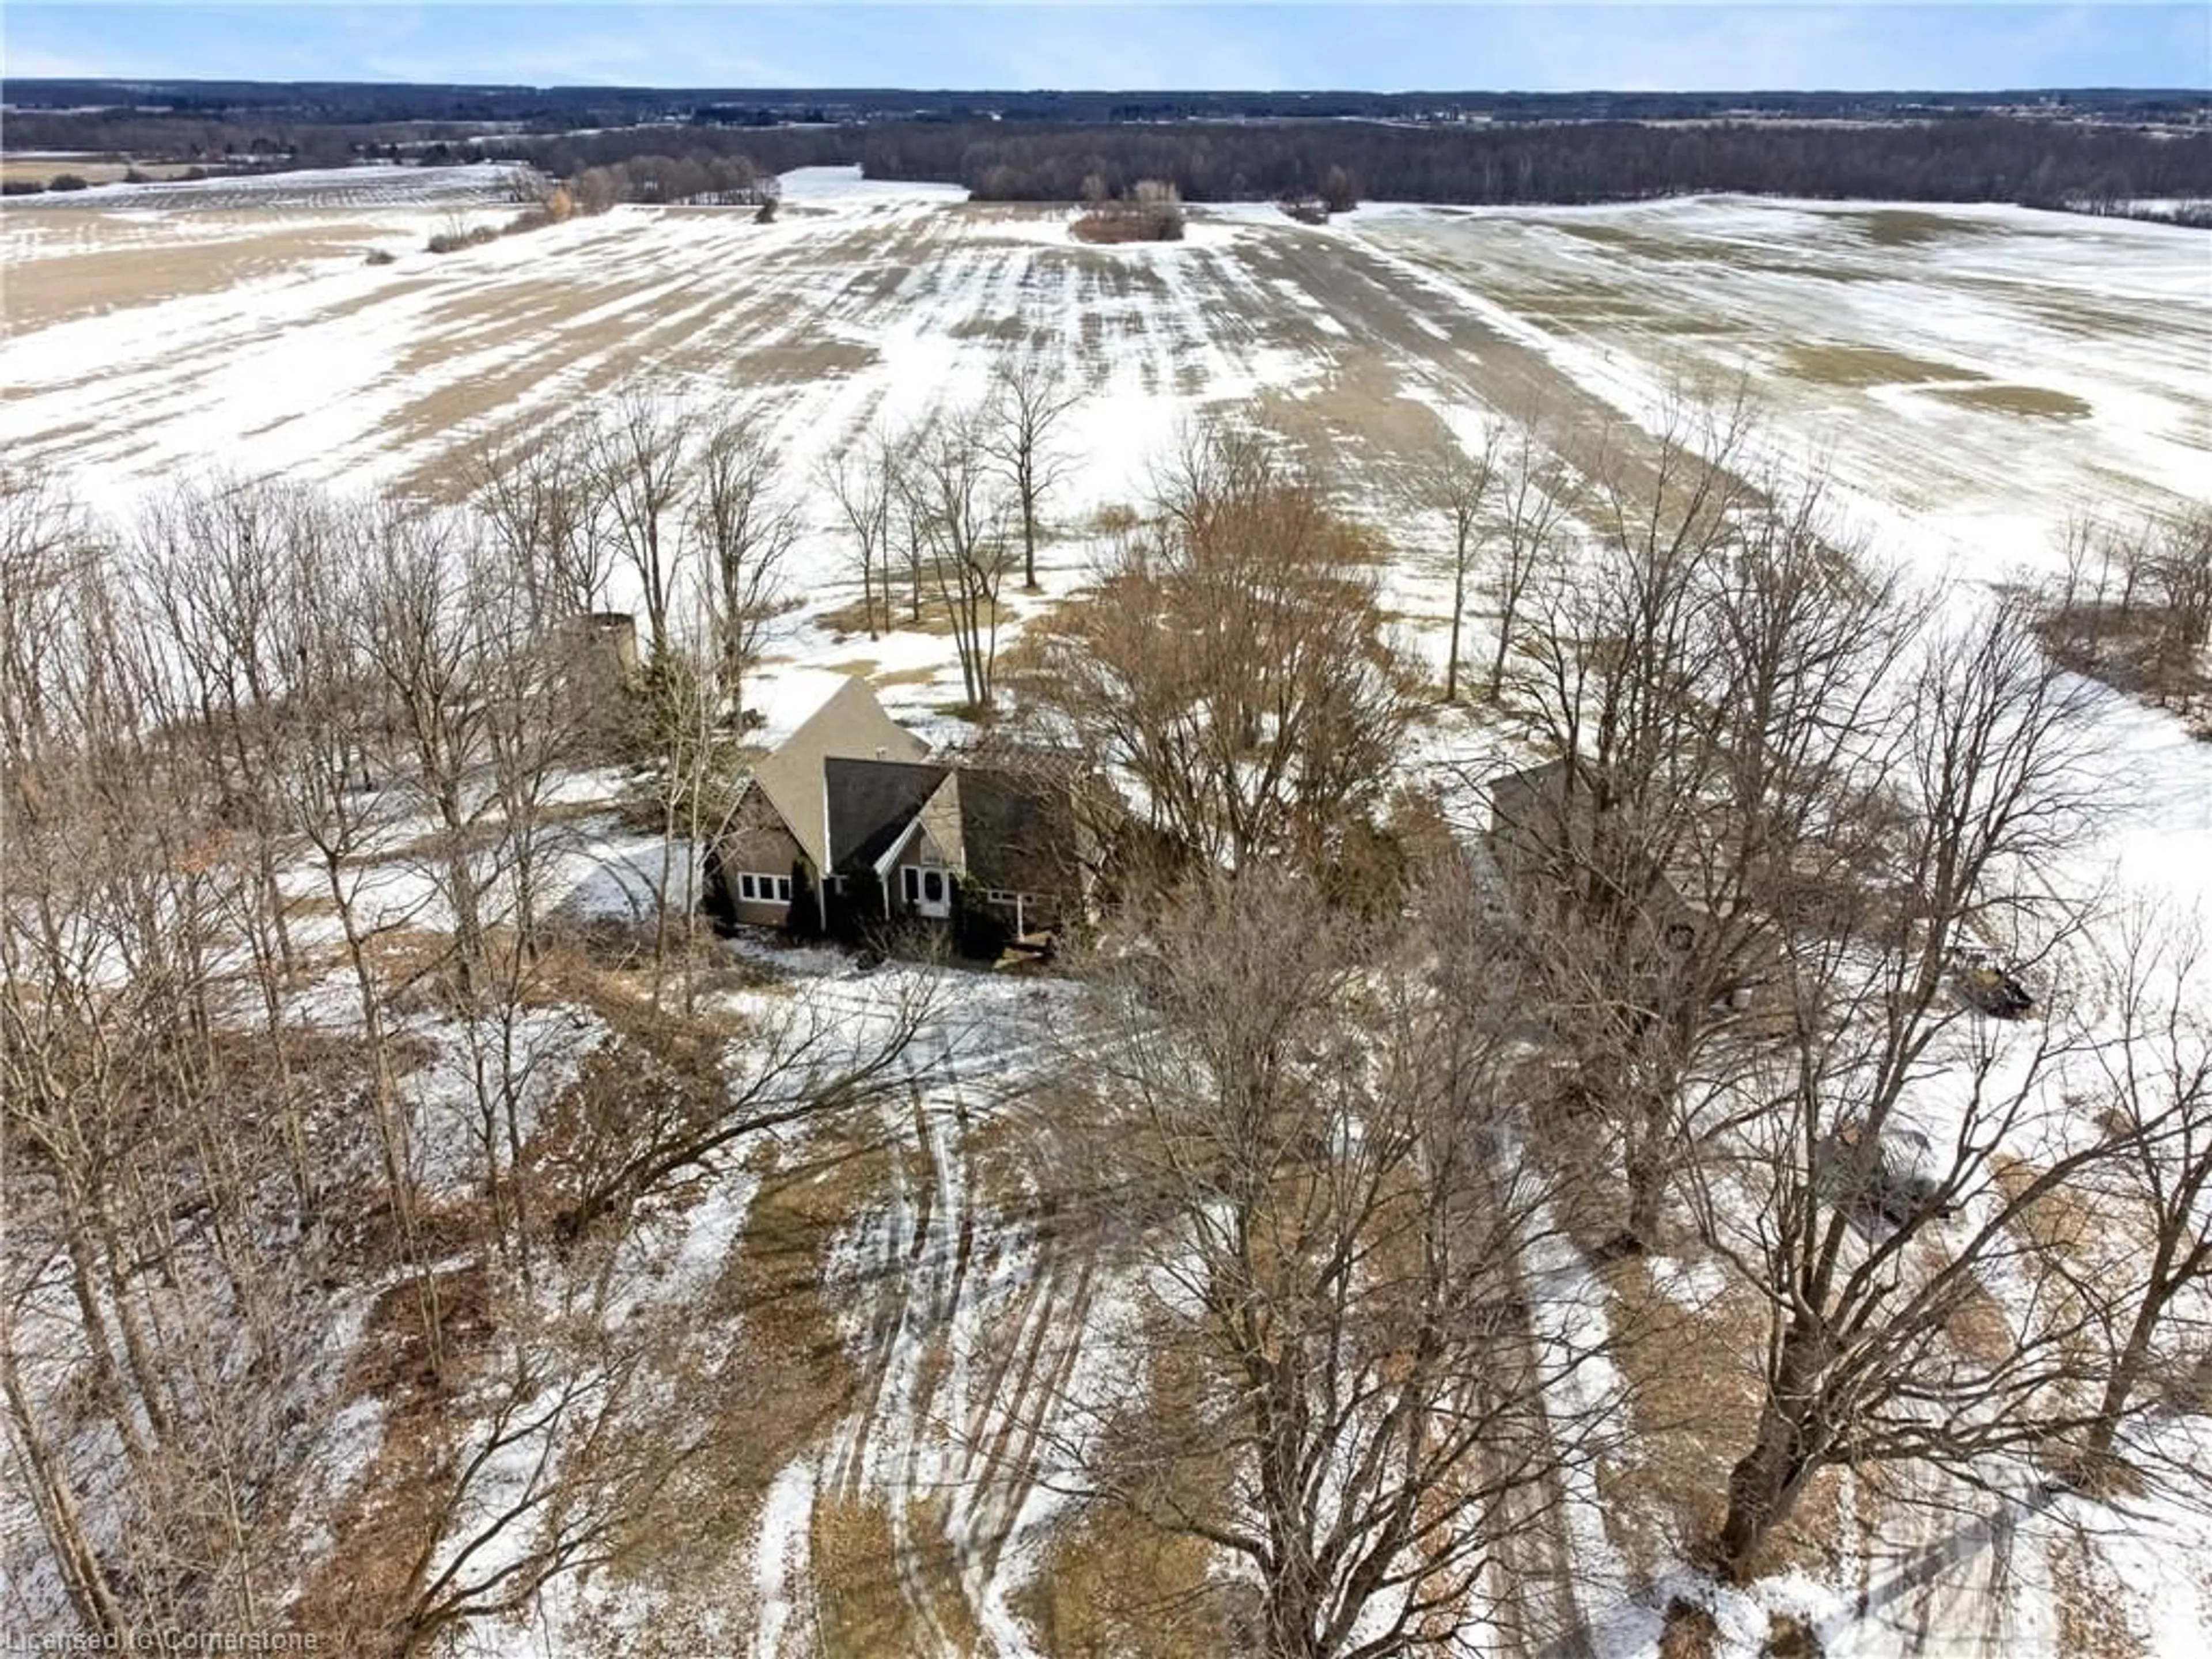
(872, 803)
(1011, 828)
(847, 722)
(1018, 829)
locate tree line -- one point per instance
(1982, 158)
(1597, 155)
(1978, 158)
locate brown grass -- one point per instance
(1111, 1584)
(1974, 1320)
(44, 169)
(2037, 402)
(1113, 1581)
(1639, 244)
(354, 1596)
(2058, 1220)
(1858, 368)
(868, 1605)
(1908, 226)
(1789, 1637)
(128, 268)
(849, 619)
(1690, 1632)
(2089, 1600)
(1694, 1400)
(1109, 228)
(883, 678)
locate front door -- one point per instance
(928, 892)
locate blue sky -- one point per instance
(1539, 47)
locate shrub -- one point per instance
(67, 181)
(382, 256)
(22, 187)
(1150, 212)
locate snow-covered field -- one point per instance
(392, 186)
(1968, 379)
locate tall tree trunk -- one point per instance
(1647, 1163)
(2135, 1353)
(1458, 611)
(1764, 1486)
(1506, 620)
(60, 1515)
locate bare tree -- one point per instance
(946, 486)
(2159, 1076)
(1698, 685)
(161, 1248)
(1454, 481)
(641, 454)
(1318, 1175)
(1028, 398)
(543, 504)
(859, 477)
(1235, 665)
(745, 529)
(1841, 1234)
(419, 624)
(698, 780)
(1535, 496)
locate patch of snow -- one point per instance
(781, 1555)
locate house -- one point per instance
(847, 822)
(1544, 838)
(776, 842)
(923, 841)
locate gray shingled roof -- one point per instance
(870, 805)
(1018, 829)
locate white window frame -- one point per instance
(755, 887)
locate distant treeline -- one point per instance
(1991, 158)
(238, 140)
(2047, 150)
(1975, 159)
(775, 149)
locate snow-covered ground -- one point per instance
(1967, 378)
(365, 185)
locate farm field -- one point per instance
(1966, 379)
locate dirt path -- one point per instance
(964, 1318)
